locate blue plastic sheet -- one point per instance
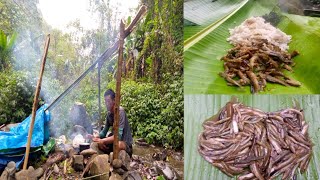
(17, 137)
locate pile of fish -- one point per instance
(255, 66)
(260, 55)
(253, 144)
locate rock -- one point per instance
(56, 169)
(29, 174)
(100, 165)
(70, 151)
(94, 146)
(117, 163)
(141, 142)
(88, 152)
(153, 172)
(89, 163)
(177, 156)
(77, 162)
(134, 165)
(115, 176)
(119, 171)
(124, 156)
(125, 175)
(160, 156)
(8, 173)
(38, 172)
(165, 170)
(4, 175)
(135, 157)
(111, 158)
(133, 175)
(24, 174)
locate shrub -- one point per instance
(16, 97)
(155, 112)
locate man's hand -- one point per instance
(89, 136)
(102, 146)
(96, 133)
(96, 139)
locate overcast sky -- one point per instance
(58, 13)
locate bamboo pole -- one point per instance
(35, 102)
(117, 99)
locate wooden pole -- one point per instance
(117, 99)
(141, 12)
(100, 121)
(35, 102)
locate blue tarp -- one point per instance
(16, 138)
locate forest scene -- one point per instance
(151, 86)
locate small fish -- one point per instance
(287, 67)
(254, 80)
(293, 82)
(275, 80)
(230, 80)
(294, 53)
(253, 144)
(252, 61)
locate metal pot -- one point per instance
(84, 146)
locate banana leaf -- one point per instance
(198, 108)
(203, 50)
(204, 12)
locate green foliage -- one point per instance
(158, 40)
(16, 97)
(6, 46)
(155, 112)
(160, 178)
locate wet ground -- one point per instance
(147, 155)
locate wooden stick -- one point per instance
(129, 29)
(35, 102)
(49, 174)
(117, 99)
(65, 167)
(95, 176)
(88, 166)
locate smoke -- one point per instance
(64, 65)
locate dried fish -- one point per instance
(253, 144)
(245, 65)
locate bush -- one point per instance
(155, 112)
(16, 97)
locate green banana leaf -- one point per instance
(204, 12)
(198, 108)
(203, 50)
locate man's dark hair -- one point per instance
(111, 93)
